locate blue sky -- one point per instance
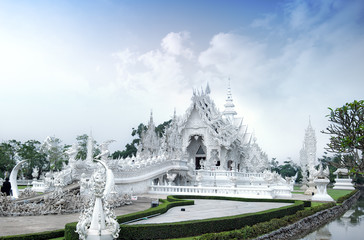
(70, 66)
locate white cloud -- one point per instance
(154, 77)
(174, 43)
(234, 55)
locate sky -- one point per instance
(71, 67)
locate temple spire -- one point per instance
(229, 111)
(151, 122)
(207, 91)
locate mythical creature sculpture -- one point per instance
(97, 219)
(171, 177)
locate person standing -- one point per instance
(6, 187)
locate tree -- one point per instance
(8, 156)
(31, 151)
(55, 153)
(82, 143)
(332, 162)
(132, 148)
(288, 169)
(160, 129)
(347, 135)
(274, 165)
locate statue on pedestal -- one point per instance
(321, 182)
(97, 221)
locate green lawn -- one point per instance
(297, 189)
(335, 194)
(22, 187)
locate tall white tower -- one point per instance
(310, 145)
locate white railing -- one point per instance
(150, 172)
(247, 192)
(222, 173)
(38, 186)
(21, 182)
(147, 169)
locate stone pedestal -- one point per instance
(321, 194)
(99, 235)
(344, 184)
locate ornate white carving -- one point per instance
(13, 179)
(97, 219)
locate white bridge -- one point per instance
(246, 192)
(157, 179)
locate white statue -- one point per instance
(35, 172)
(321, 182)
(104, 150)
(171, 177)
(98, 220)
(72, 153)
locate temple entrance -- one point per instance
(197, 151)
(200, 157)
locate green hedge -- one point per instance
(172, 198)
(70, 228)
(343, 198)
(181, 197)
(262, 228)
(35, 236)
(198, 227)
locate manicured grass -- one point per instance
(315, 204)
(60, 238)
(22, 187)
(335, 194)
(187, 238)
(297, 189)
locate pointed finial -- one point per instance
(229, 105)
(151, 115)
(208, 91)
(254, 136)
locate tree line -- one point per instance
(346, 130)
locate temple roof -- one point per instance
(224, 131)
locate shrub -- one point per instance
(343, 198)
(268, 226)
(35, 236)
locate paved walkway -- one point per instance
(203, 209)
(32, 224)
(216, 208)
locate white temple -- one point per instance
(204, 152)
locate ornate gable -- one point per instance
(223, 131)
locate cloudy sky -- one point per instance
(68, 67)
